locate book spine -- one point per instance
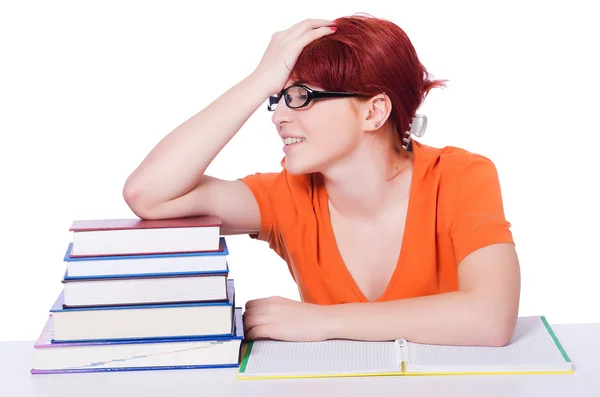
(402, 358)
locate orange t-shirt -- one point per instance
(455, 207)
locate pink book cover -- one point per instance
(136, 223)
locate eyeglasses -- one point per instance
(298, 96)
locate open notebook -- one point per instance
(533, 349)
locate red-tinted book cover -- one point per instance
(136, 223)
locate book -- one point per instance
(96, 237)
(156, 354)
(533, 349)
(131, 322)
(139, 290)
(147, 265)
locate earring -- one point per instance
(417, 128)
(406, 141)
(377, 125)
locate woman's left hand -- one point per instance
(285, 319)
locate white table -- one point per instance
(581, 341)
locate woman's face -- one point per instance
(318, 135)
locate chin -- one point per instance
(303, 161)
(295, 168)
(298, 166)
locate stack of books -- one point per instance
(141, 295)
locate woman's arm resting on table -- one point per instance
(482, 312)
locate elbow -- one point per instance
(135, 201)
(129, 193)
(499, 338)
(498, 332)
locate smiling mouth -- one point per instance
(291, 141)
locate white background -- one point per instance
(88, 88)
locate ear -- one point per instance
(376, 111)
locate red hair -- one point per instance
(368, 56)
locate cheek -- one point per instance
(334, 132)
(336, 140)
(338, 136)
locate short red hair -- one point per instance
(368, 56)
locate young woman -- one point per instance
(385, 237)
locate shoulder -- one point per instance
(449, 158)
(468, 200)
(460, 180)
(453, 165)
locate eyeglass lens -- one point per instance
(294, 97)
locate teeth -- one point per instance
(289, 141)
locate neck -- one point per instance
(368, 181)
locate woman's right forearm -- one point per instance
(176, 164)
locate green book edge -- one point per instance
(246, 355)
(556, 341)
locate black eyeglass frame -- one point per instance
(312, 94)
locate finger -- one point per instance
(312, 35)
(312, 23)
(309, 24)
(258, 332)
(253, 312)
(257, 316)
(255, 303)
(252, 319)
(261, 302)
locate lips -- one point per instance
(290, 143)
(292, 140)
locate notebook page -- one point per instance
(269, 357)
(531, 347)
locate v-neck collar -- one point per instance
(341, 269)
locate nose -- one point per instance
(282, 113)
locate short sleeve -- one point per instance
(479, 218)
(262, 186)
